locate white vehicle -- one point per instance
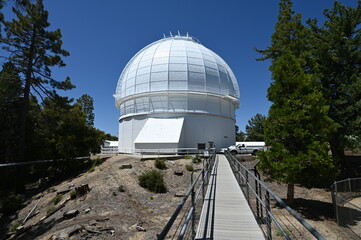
(246, 147)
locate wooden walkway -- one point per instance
(232, 218)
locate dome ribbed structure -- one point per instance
(176, 64)
(176, 78)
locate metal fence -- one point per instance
(109, 150)
(346, 199)
(182, 224)
(162, 151)
(276, 219)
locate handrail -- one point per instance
(345, 180)
(194, 196)
(37, 161)
(313, 231)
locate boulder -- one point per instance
(126, 166)
(66, 233)
(70, 214)
(178, 172)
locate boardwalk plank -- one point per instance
(233, 219)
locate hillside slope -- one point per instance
(105, 212)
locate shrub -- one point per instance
(280, 234)
(153, 181)
(14, 227)
(73, 194)
(114, 194)
(187, 157)
(160, 163)
(12, 204)
(98, 161)
(121, 188)
(189, 167)
(50, 210)
(57, 199)
(196, 159)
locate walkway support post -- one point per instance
(193, 225)
(268, 218)
(247, 188)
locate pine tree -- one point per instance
(86, 103)
(33, 50)
(255, 128)
(297, 123)
(337, 50)
(10, 106)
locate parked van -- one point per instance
(246, 147)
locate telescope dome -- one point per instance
(177, 64)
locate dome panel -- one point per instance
(176, 64)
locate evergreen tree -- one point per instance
(255, 128)
(62, 131)
(10, 106)
(297, 123)
(86, 103)
(33, 50)
(240, 136)
(337, 50)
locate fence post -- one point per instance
(204, 181)
(194, 212)
(237, 174)
(268, 218)
(247, 187)
(336, 203)
(257, 202)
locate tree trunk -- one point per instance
(290, 193)
(337, 147)
(23, 141)
(19, 179)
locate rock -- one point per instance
(92, 223)
(126, 166)
(140, 229)
(83, 189)
(178, 172)
(87, 210)
(42, 219)
(63, 191)
(20, 228)
(102, 219)
(66, 233)
(64, 201)
(139, 226)
(70, 214)
(41, 182)
(179, 194)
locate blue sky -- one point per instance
(102, 36)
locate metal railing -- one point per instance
(144, 152)
(109, 150)
(37, 162)
(182, 223)
(275, 218)
(346, 201)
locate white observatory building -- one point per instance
(176, 93)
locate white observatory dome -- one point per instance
(174, 78)
(176, 64)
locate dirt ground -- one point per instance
(104, 212)
(137, 214)
(314, 205)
